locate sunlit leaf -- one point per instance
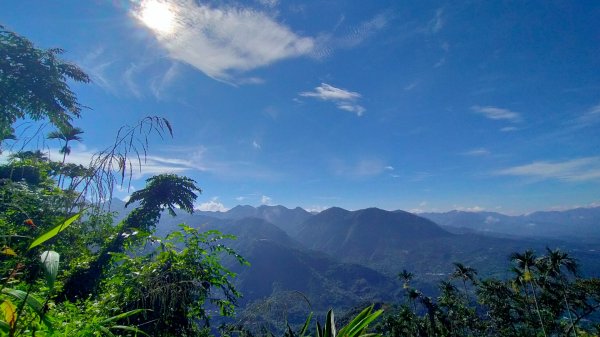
(54, 231)
(8, 251)
(9, 313)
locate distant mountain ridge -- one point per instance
(364, 233)
(578, 223)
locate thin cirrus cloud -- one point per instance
(574, 170)
(495, 113)
(222, 42)
(591, 116)
(476, 152)
(344, 99)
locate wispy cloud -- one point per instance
(363, 31)
(476, 152)
(496, 113)
(226, 41)
(359, 169)
(348, 37)
(437, 23)
(344, 99)
(95, 63)
(574, 170)
(589, 117)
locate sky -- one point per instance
(412, 105)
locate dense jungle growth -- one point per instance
(67, 268)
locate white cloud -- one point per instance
(471, 209)
(344, 99)
(575, 170)
(212, 206)
(255, 145)
(477, 152)
(389, 168)
(509, 129)
(266, 200)
(496, 113)
(269, 3)
(222, 42)
(328, 92)
(316, 209)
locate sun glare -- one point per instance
(157, 15)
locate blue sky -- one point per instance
(414, 105)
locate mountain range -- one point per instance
(340, 258)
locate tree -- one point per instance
(464, 273)
(33, 84)
(525, 262)
(405, 276)
(66, 134)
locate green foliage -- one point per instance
(33, 84)
(544, 298)
(176, 282)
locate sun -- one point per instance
(157, 15)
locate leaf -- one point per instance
(8, 251)
(9, 311)
(54, 231)
(50, 261)
(122, 315)
(32, 301)
(359, 323)
(4, 326)
(129, 328)
(305, 326)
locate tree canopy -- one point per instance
(33, 84)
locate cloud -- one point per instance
(223, 42)
(437, 23)
(316, 209)
(359, 169)
(350, 37)
(495, 113)
(212, 206)
(476, 152)
(575, 170)
(470, 209)
(591, 116)
(362, 32)
(269, 3)
(491, 220)
(344, 99)
(509, 129)
(255, 145)
(81, 155)
(266, 200)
